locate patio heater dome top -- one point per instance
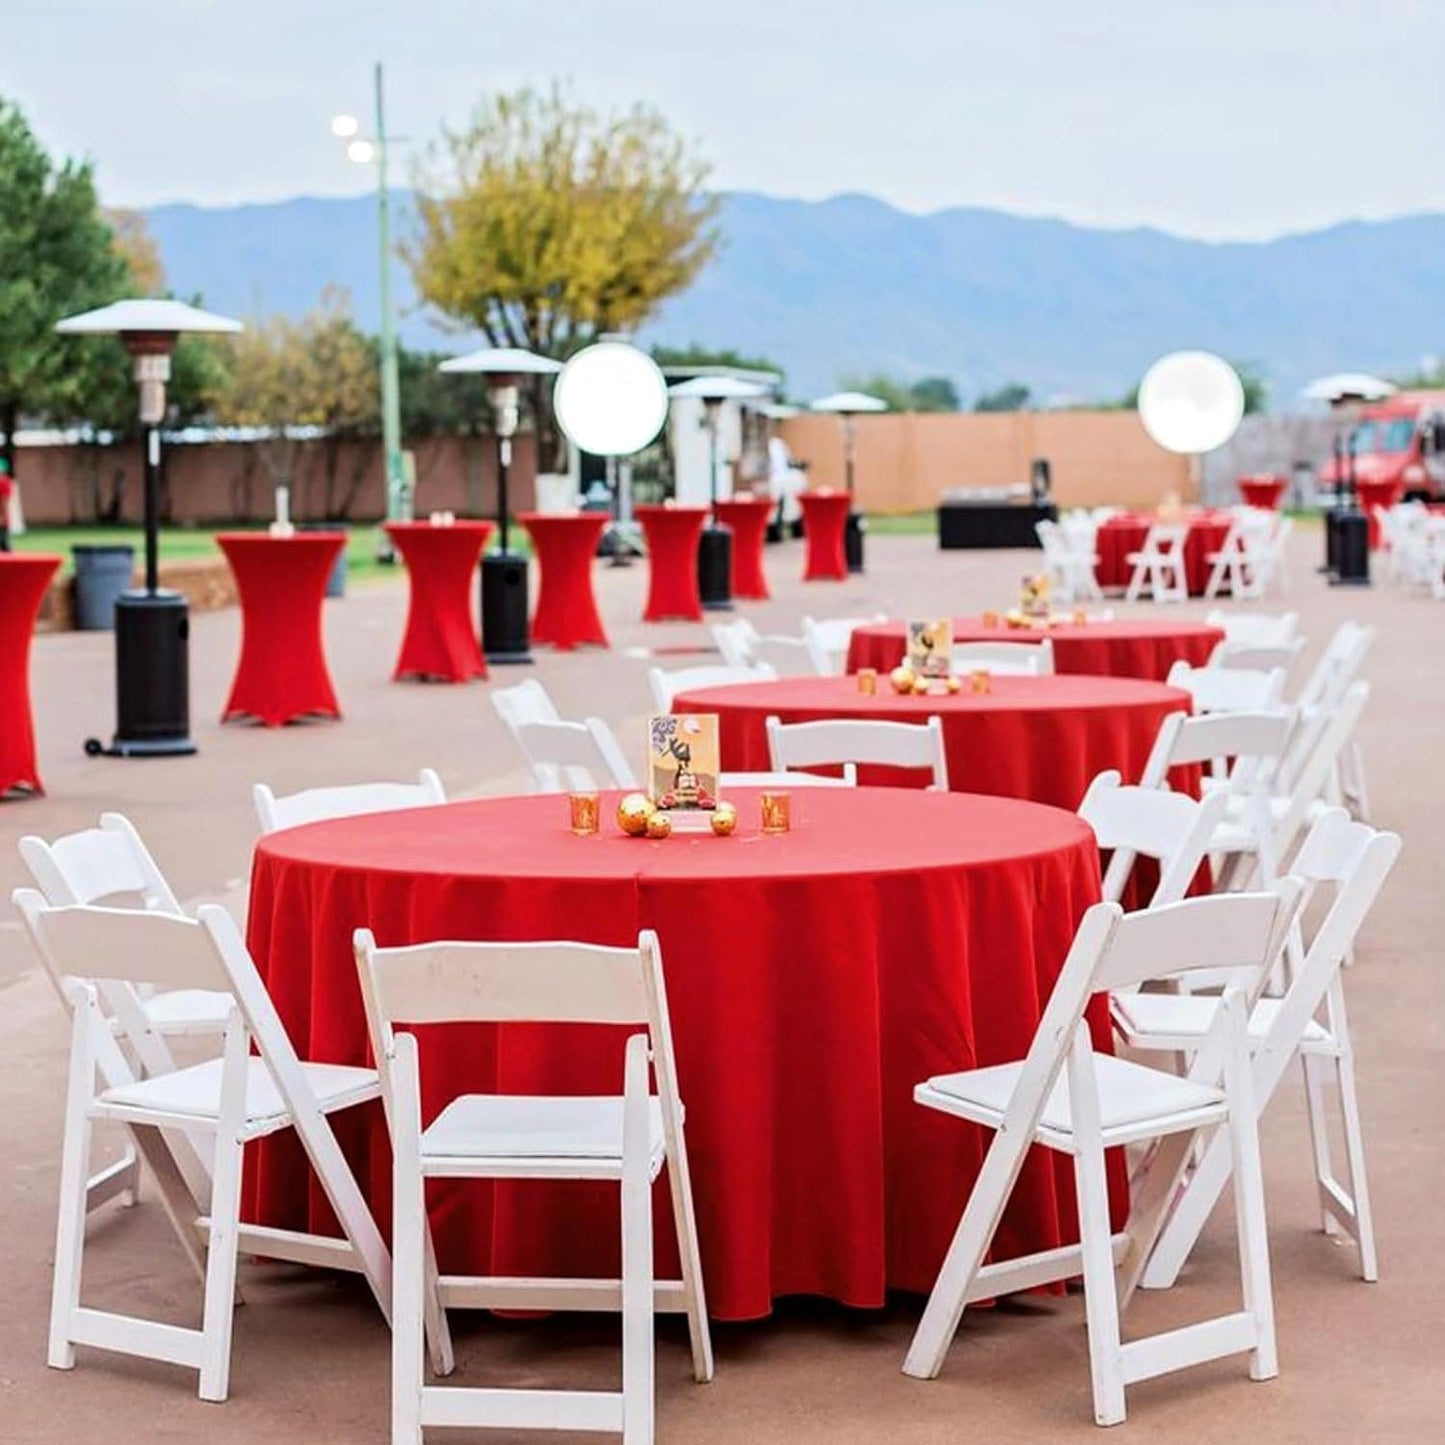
(718, 388)
(501, 360)
(148, 316)
(849, 402)
(1345, 386)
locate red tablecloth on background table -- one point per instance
(1374, 494)
(566, 545)
(281, 674)
(813, 979)
(1133, 647)
(1040, 738)
(825, 521)
(748, 518)
(672, 536)
(24, 578)
(1263, 491)
(1121, 535)
(441, 562)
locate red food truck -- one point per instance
(1400, 440)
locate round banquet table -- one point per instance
(281, 674)
(1132, 647)
(825, 522)
(1263, 490)
(1039, 738)
(748, 518)
(440, 640)
(813, 979)
(566, 543)
(1123, 534)
(24, 579)
(1372, 494)
(672, 537)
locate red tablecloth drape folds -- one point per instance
(441, 562)
(281, 674)
(566, 544)
(825, 520)
(813, 980)
(672, 535)
(1263, 490)
(24, 578)
(1124, 534)
(1144, 648)
(748, 518)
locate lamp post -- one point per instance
(152, 626)
(504, 573)
(848, 404)
(715, 546)
(368, 150)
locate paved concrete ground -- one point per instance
(1359, 1362)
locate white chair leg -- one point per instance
(220, 1303)
(1191, 1211)
(409, 1256)
(1250, 1223)
(1313, 1069)
(74, 1164)
(637, 1274)
(1101, 1304)
(1355, 1162)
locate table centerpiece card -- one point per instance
(684, 767)
(930, 648)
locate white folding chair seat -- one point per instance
(567, 756)
(829, 638)
(851, 743)
(667, 685)
(1177, 1021)
(1008, 659)
(1158, 568)
(1066, 1097)
(1229, 689)
(314, 805)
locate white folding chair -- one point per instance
(568, 756)
(667, 685)
(829, 638)
(236, 1098)
(1251, 658)
(1159, 566)
(525, 702)
(347, 801)
(742, 645)
(784, 780)
(626, 1139)
(1229, 569)
(1337, 667)
(1069, 556)
(1229, 689)
(1258, 629)
(1008, 659)
(1352, 861)
(1067, 1098)
(853, 742)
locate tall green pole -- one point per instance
(398, 493)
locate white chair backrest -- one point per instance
(1166, 539)
(573, 756)
(1338, 666)
(786, 780)
(1008, 659)
(1252, 744)
(1310, 760)
(1258, 629)
(1171, 828)
(347, 801)
(735, 641)
(852, 742)
(828, 639)
(1229, 689)
(1251, 658)
(105, 864)
(525, 702)
(667, 685)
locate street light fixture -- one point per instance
(504, 573)
(152, 627)
(848, 404)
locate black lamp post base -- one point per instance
(506, 635)
(715, 568)
(1351, 549)
(152, 678)
(853, 541)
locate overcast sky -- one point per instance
(1215, 118)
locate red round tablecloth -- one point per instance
(566, 544)
(1263, 491)
(281, 674)
(825, 519)
(1040, 738)
(813, 979)
(1142, 647)
(672, 536)
(24, 578)
(1121, 535)
(441, 561)
(748, 518)
(1374, 494)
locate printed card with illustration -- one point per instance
(930, 647)
(683, 761)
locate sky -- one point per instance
(1221, 119)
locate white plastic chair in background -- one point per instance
(1256, 629)
(571, 756)
(1008, 659)
(667, 685)
(1229, 567)
(853, 742)
(1069, 1099)
(524, 702)
(1229, 689)
(742, 645)
(236, 1099)
(314, 805)
(1337, 667)
(1069, 557)
(829, 638)
(1159, 565)
(626, 1139)
(1252, 658)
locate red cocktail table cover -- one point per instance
(1121, 535)
(1040, 738)
(1263, 491)
(1131, 647)
(1372, 494)
(441, 561)
(281, 674)
(813, 980)
(672, 536)
(825, 520)
(566, 544)
(748, 518)
(24, 578)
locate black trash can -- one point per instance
(102, 573)
(336, 582)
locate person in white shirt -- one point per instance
(785, 481)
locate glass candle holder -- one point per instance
(777, 812)
(980, 680)
(1080, 616)
(584, 809)
(990, 618)
(868, 681)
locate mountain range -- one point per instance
(852, 286)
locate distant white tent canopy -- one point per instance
(502, 361)
(146, 315)
(848, 403)
(1346, 386)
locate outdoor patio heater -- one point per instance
(152, 624)
(1347, 528)
(848, 404)
(505, 633)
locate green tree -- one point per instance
(886, 388)
(695, 354)
(933, 393)
(1251, 378)
(1013, 396)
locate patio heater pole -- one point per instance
(715, 546)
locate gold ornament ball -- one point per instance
(659, 825)
(724, 819)
(633, 812)
(954, 684)
(901, 679)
